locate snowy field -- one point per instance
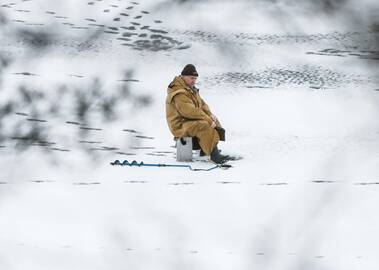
(296, 87)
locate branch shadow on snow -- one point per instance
(47, 119)
(67, 118)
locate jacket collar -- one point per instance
(179, 83)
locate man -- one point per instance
(189, 116)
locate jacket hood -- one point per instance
(177, 84)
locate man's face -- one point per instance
(190, 80)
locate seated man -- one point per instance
(189, 116)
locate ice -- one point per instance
(83, 83)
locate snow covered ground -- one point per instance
(83, 83)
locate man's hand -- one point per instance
(214, 118)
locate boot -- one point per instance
(202, 153)
(217, 158)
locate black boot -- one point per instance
(217, 158)
(202, 153)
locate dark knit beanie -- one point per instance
(189, 70)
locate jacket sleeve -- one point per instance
(187, 109)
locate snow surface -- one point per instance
(295, 85)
